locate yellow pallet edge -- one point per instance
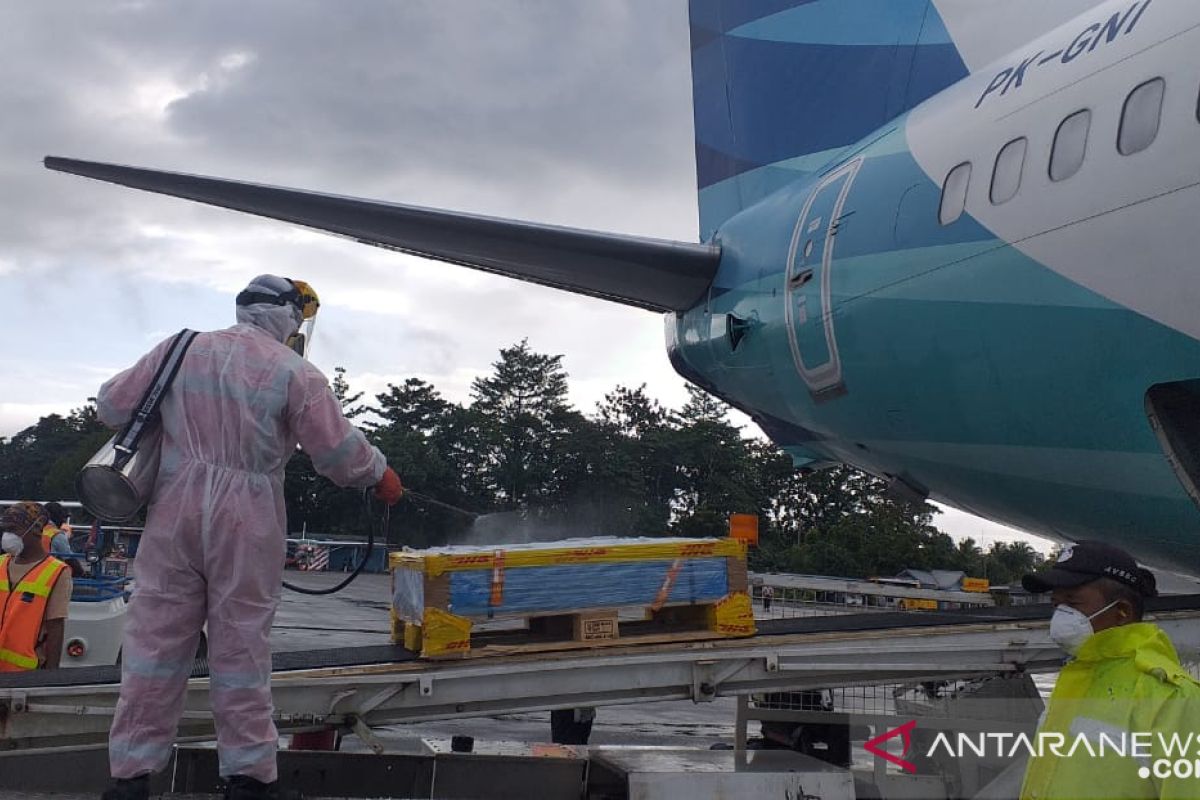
(436, 564)
(442, 633)
(732, 615)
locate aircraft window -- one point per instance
(1070, 145)
(954, 193)
(1006, 177)
(1139, 120)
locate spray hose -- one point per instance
(384, 519)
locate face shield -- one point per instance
(294, 314)
(307, 303)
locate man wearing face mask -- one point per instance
(214, 542)
(1123, 678)
(35, 593)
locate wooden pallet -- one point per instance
(456, 637)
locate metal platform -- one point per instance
(358, 688)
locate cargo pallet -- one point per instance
(730, 617)
(572, 593)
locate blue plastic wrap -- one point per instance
(570, 575)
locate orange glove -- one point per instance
(389, 489)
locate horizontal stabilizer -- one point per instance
(653, 274)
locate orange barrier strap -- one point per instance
(664, 591)
(497, 596)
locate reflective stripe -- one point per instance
(1093, 729)
(43, 576)
(4, 573)
(130, 758)
(241, 760)
(24, 662)
(349, 446)
(153, 668)
(238, 680)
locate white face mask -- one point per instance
(12, 544)
(1070, 627)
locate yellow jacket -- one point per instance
(1125, 685)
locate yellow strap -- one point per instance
(4, 573)
(24, 662)
(434, 564)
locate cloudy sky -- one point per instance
(572, 113)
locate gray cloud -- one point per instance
(570, 113)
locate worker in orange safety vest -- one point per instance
(35, 593)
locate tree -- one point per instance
(717, 474)
(969, 558)
(631, 412)
(42, 460)
(526, 419)
(341, 390)
(1007, 562)
(840, 521)
(432, 444)
(633, 468)
(638, 467)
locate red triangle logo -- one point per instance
(875, 746)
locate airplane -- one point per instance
(951, 243)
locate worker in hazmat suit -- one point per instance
(214, 543)
(1123, 704)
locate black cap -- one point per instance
(54, 509)
(1084, 562)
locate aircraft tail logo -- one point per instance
(780, 88)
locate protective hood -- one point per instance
(279, 321)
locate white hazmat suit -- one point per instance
(214, 543)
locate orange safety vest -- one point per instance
(22, 611)
(48, 534)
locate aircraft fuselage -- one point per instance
(989, 334)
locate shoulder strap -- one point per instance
(147, 410)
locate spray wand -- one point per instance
(427, 500)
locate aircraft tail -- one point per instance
(781, 86)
